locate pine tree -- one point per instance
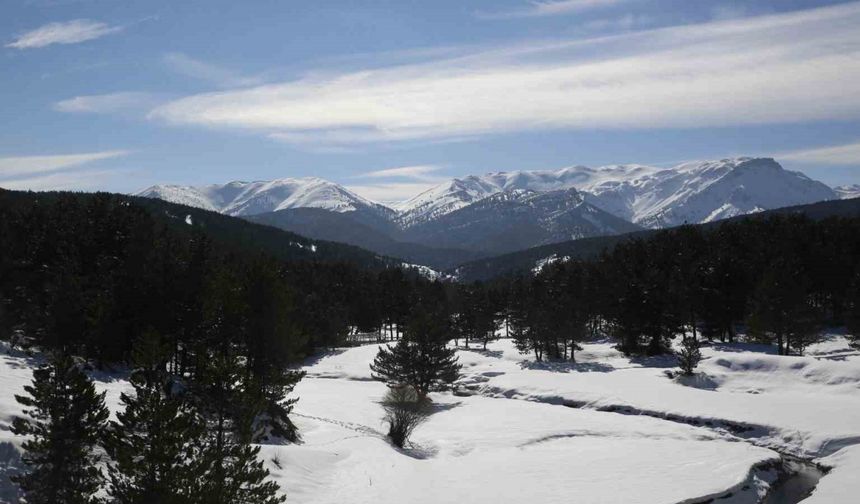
(689, 355)
(421, 358)
(67, 418)
(155, 443)
(233, 473)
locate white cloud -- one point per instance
(390, 192)
(80, 180)
(221, 77)
(551, 8)
(106, 103)
(792, 67)
(848, 154)
(11, 167)
(68, 32)
(417, 172)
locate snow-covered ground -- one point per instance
(506, 436)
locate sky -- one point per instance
(392, 97)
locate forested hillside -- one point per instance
(589, 248)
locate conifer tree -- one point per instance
(233, 473)
(689, 355)
(155, 443)
(421, 359)
(67, 418)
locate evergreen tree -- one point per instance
(689, 355)
(421, 358)
(66, 421)
(156, 441)
(781, 311)
(232, 471)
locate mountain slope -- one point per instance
(233, 233)
(526, 260)
(517, 219)
(345, 228)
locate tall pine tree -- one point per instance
(233, 473)
(67, 418)
(155, 444)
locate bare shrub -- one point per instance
(405, 410)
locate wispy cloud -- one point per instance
(31, 165)
(848, 154)
(416, 172)
(724, 73)
(107, 103)
(222, 77)
(67, 32)
(551, 8)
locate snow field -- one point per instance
(505, 436)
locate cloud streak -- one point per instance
(11, 167)
(417, 172)
(551, 8)
(848, 154)
(726, 73)
(106, 103)
(222, 77)
(67, 32)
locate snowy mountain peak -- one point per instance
(249, 198)
(698, 191)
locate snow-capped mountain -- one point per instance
(518, 218)
(848, 191)
(653, 197)
(251, 198)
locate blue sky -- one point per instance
(389, 97)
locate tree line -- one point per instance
(781, 280)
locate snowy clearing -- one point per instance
(505, 436)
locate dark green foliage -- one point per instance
(781, 309)
(421, 359)
(405, 409)
(231, 469)
(155, 445)
(689, 355)
(65, 420)
(781, 279)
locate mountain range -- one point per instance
(483, 215)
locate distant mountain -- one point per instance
(344, 227)
(534, 258)
(251, 198)
(482, 215)
(848, 191)
(652, 197)
(517, 219)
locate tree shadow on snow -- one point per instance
(10, 465)
(567, 366)
(317, 357)
(496, 354)
(700, 381)
(656, 361)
